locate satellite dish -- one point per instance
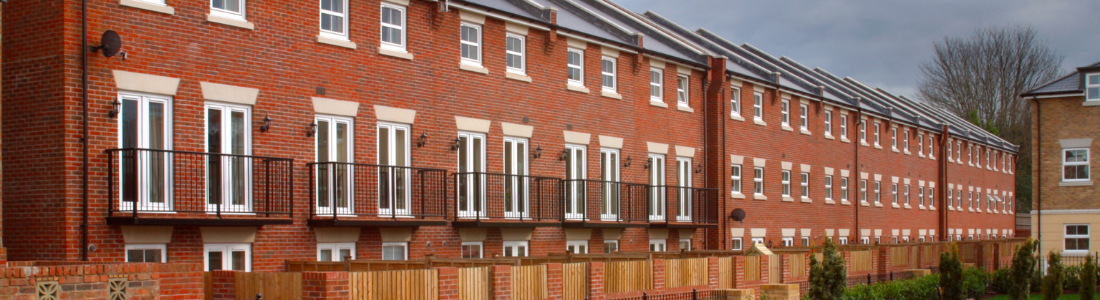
(738, 215)
(110, 43)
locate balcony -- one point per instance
(597, 203)
(167, 187)
(503, 200)
(376, 195)
(685, 207)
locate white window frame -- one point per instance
(580, 68)
(931, 198)
(878, 192)
(404, 246)
(931, 146)
(334, 250)
(920, 196)
(227, 255)
(657, 181)
(683, 84)
(758, 181)
(684, 180)
(863, 190)
(758, 106)
(804, 117)
(894, 138)
(659, 86)
(1086, 164)
(958, 152)
(736, 244)
(785, 113)
(520, 163)
(142, 141)
(402, 28)
(844, 189)
(613, 74)
(577, 201)
(475, 163)
(396, 199)
(477, 45)
(843, 240)
(658, 245)
(970, 155)
(757, 240)
(905, 141)
(480, 249)
(521, 54)
(829, 123)
(894, 193)
(163, 248)
(225, 13)
(735, 179)
(785, 181)
(877, 136)
(788, 241)
(920, 144)
(343, 17)
(682, 241)
(804, 179)
(843, 126)
(1092, 87)
(576, 246)
(349, 181)
(805, 241)
(607, 243)
(610, 172)
(828, 187)
(227, 162)
(865, 240)
(863, 132)
(735, 102)
(907, 187)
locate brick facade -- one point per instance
(283, 60)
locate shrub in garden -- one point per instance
(923, 288)
(1073, 278)
(975, 281)
(1055, 278)
(828, 279)
(1088, 280)
(1000, 281)
(1023, 277)
(951, 281)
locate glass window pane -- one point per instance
(214, 260)
(326, 255)
(238, 260)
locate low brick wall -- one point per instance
(70, 280)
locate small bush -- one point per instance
(1055, 278)
(1073, 278)
(923, 288)
(828, 278)
(951, 280)
(1001, 281)
(1023, 278)
(975, 281)
(1088, 280)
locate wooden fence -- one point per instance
(752, 268)
(628, 276)
(473, 283)
(899, 257)
(860, 261)
(409, 284)
(529, 282)
(775, 270)
(931, 254)
(799, 264)
(274, 286)
(726, 272)
(685, 272)
(574, 281)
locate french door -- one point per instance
(515, 185)
(471, 184)
(575, 174)
(393, 171)
(334, 144)
(144, 178)
(683, 182)
(228, 176)
(609, 173)
(657, 187)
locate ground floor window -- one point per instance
(657, 246)
(735, 244)
(788, 242)
(472, 249)
(864, 240)
(576, 247)
(610, 246)
(395, 251)
(685, 244)
(515, 248)
(843, 240)
(805, 241)
(235, 257)
(335, 251)
(146, 253)
(1077, 239)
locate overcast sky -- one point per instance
(881, 43)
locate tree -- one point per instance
(951, 275)
(1023, 268)
(1088, 279)
(828, 279)
(979, 79)
(1055, 278)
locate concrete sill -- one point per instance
(931, 208)
(827, 201)
(576, 88)
(921, 155)
(895, 150)
(164, 9)
(612, 95)
(759, 122)
(788, 199)
(473, 68)
(231, 22)
(1090, 103)
(908, 207)
(829, 136)
(864, 204)
(846, 140)
(843, 202)
(803, 131)
(878, 204)
(684, 108)
(952, 208)
(658, 103)
(759, 197)
(921, 207)
(863, 143)
(895, 205)
(807, 200)
(736, 195)
(907, 152)
(787, 128)
(335, 42)
(736, 117)
(517, 77)
(877, 146)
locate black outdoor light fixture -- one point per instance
(648, 164)
(458, 143)
(115, 108)
(628, 161)
(538, 153)
(423, 140)
(564, 155)
(267, 124)
(312, 129)
(699, 169)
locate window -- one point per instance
(576, 66)
(516, 52)
(805, 241)
(609, 174)
(950, 197)
(682, 90)
(656, 90)
(393, 26)
(805, 181)
(472, 249)
(970, 200)
(958, 152)
(843, 240)
(920, 144)
(978, 157)
(906, 195)
(471, 178)
(149, 253)
(788, 242)
(516, 185)
(334, 140)
(685, 244)
(920, 196)
(610, 246)
(931, 145)
(959, 199)
(878, 240)
(828, 187)
(949, 143)
(228, 132)
(735, 244)
(395, 251)
(228, 8)
(394, 185)
(471, 43)
(335, 251)
(865, 240)
(804, 111)
(657, 183)
(735, 103)
(576, 247)
(863, 191)
(757, 241)
(334, 18)
(843, 126)
(978, 201)
(931, 203)
(921, 238)
(758, 106)
(785, 113)
(970, 155)
(1092, 87)
(894, 138)
(657, 246)
(515, 248)
(878, 192)
(863, 132)
(895, 240)
(905, 141)
(828, 123)
(877, 130)
(1077, 239)
(844, 189)
(1075, 165)
(234, 257)
(758, 181)
(894, 193)
(576, 171)
(987, 165)
(144, 123)
(735, 176)
(786, 183)
(607, 73)
(683, 180)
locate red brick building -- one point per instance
(246, 133)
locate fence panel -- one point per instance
(899, 257)
(752, 268)
(411, 284)
(725, 272)
(798, 265)
(774, 268)
(574, 281)
(529, 282)
(628, 276)
(685, 272)
(861, 261)
(273, 286)
(473, 283)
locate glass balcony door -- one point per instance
(471, 181)
(575, 174)
(683, 183)
(334, 144)
(609, 166)
(515, 185)
(394, 174)
(144, 175)
(228, 176)
(657, 187)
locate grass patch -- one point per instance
(1037, 297)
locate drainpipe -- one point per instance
(1038, 201)
(859, 111)
(84, 120)
(943, 181)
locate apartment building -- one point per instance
(1063, 129)
(245, 133)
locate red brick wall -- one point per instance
(143, 281)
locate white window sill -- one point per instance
(931, 208)
(231, 22)
(786, 127)
(864, 143)
(736, 195)
(684, 108)
(921, 207)
(804, 131)
(931, 157)
(759, 122)
(737, 117)
(971, 209)
(920, 154)
(878, 204)
(473, 68)
(335, 42)
(517, 76)
(829, 136)
(908, 207)
(395, 53)
(1075, 183)
(907, 152)
(895, 205)
(164, 9)
(951, 208)
(576, 88)
(759, 197)
(1091, 103)
(895, 150)
(658, 103)
(845, 202)
(877, 146)
(864, 204)
(829, 201)
(807, 200)
(844, 139)
(950, 160)
(788, 199)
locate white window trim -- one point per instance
(577, 244)
(522, 70)
(343, 17)
(1076, 236)
(472, 139)
(863, 191)
(334, 121)
(894, 138)
(660, 84)
(479, 44)
(804, 117)
(610, 242)
(335, 248)
(162, 247)
(844, 189)
(843, 126)
(920, 145)
(228, 13)
(758, 106)
(785, 180)
(828, 123)
(227, 255)
(1089, 85)
(688, 241)
(735, 180)
(828, 187)
(662, 243)
(878, 136)
(1086, 163)
(758, 181)
(739, 244)
(905, 141)
(805, 241)
(614, 74)
(757, 240)
(735, 102)
(686, 100)
(788, 241)
(878, 192)
(804, 183)
(143, 101)
(403, 245)
(785, 113)
(580, 52)
(480, 247)
(403, 28)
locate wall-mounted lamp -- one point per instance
(115, 108)
(628, 161)
(699, 169)
(267, 124)
(538, 153)
(312, 129)
(648, 164)
(423, 140)
(458, 143)
(564, 155)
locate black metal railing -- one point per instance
(340, 190)
(493, 196)
(693, 205)
(606, 201)
(169, 181)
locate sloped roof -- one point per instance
(1069, 83)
